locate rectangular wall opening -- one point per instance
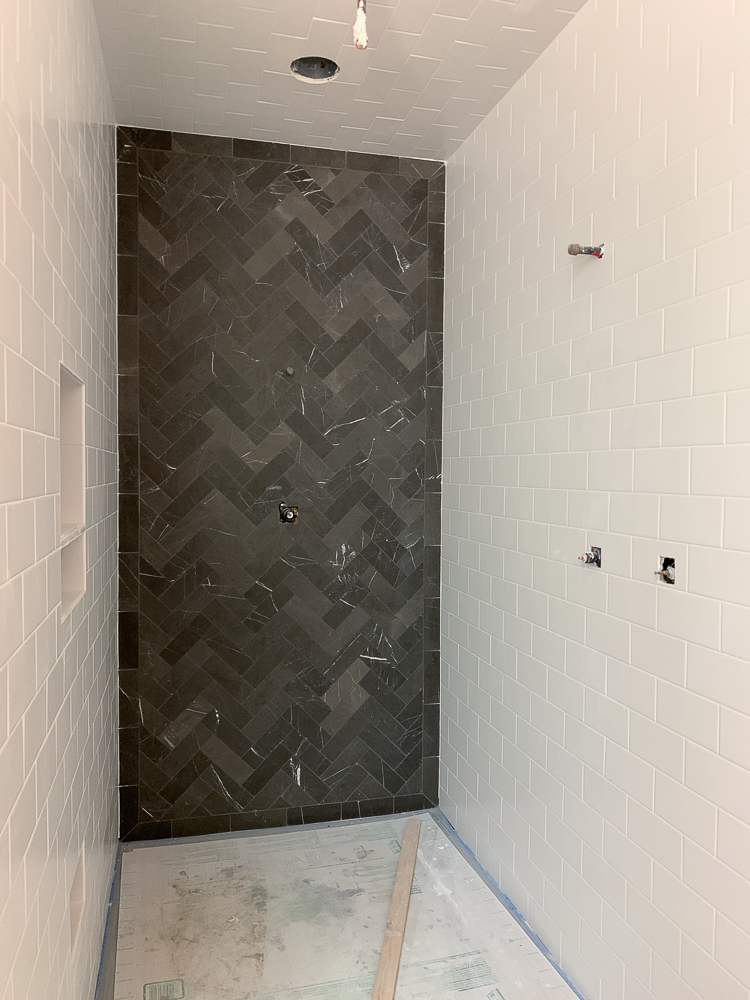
(72, 490)
(73, 572)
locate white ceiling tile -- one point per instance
(149, 71)
(455, 111)
(438, 93)
(376, 85)
(438, 35)
(146, 102)
(433, 69)
(215, 11)
(134, 6)
(477, 83)
(458, 8)
(303, 107)
(213, 42)
(417, 72)
(418, 120)
(398, 103)
(485, 22)
(252, 26)
(211, 79)
(351, 138)
(176, 55)
(175, 89)
(140, 34)
(338, 96)
(241, 100)
(504, 47)
(326, 36)
(293, 17)
(176, 20)
(237, 125)
(326, 124)
(461, 59)
(362, 114)
(245, 67)
(276, 88)
(394, 48)
(207, 107)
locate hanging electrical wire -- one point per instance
(360, 25)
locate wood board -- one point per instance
(395, 928)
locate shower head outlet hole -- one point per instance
(314, 69)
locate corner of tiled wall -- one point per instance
(58, 711)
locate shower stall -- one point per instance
(280, 347)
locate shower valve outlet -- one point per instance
(593, 557)
(287, 514)
(667, 571)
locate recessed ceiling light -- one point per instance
(314, 69)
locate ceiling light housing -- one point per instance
(314, 69)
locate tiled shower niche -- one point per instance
(280, 342)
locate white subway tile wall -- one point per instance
(58, 711)
(596, 723)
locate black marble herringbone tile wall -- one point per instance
(280, 340)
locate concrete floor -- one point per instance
(299, 914)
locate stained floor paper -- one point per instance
(299, 915)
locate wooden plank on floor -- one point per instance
(393, 940)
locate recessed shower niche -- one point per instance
(72, 490)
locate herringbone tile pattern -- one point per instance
(280, 340)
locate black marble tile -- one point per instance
(128, 680)
(431, 732)
(259, 819)
(127, 225)
(146, 138)
(430, 779)
(373, 163)
(436, 207)
(200, 826)
(129, 745)
(312, 156)
(327, 813)
(411, 803)
(251, 149)
(280, 637)
(129, 587)
(128, 808)
(127, 345)
(436, 250)
(431, 676)
(207, 145)
(128, 640)
(409, 167)
(435, 306)
(151, 830)
(129, 471)
(129, 522)
(127, 286)
(376, 807)
(350, 810)
(127, 178)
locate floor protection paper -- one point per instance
(299, 914)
